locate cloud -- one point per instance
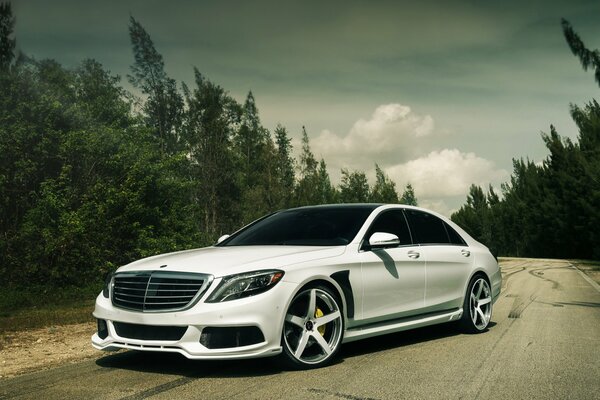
(407, 146)
(446, 173)
(392, 134)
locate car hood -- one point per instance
(221, 261)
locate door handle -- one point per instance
(465, 252)
(414, 254)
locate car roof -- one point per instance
(359, 206)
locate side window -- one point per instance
(391, 221)
(427, 228)
(454, 236)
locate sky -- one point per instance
(441, 94)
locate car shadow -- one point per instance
(177, 364)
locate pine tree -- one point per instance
(306, 193)
(208, 130)
(588, 58)
(7, 41)
(384, 190)
(284, 166)
(164, 105)
(249, 139)
(408, 196)
(326, 193)
(354, 187)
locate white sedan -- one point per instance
(298, 283)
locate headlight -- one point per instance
(107, 284)
(244, 285)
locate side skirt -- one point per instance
(402, 324)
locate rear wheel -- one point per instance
(477, 307)
(313, 329)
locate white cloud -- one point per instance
(392, 134)
(446, 173)
(406, 146)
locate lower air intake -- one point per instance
(149, 332)
(221, 338)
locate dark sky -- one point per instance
(439, 93)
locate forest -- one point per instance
(93, 176)
(552, 209)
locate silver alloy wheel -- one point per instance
(313, 326)
(480, 304)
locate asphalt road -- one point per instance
(543, 343)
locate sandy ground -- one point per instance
(33, 350)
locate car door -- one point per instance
(449, 261)
(393, 278)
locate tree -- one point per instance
(250, 141)
(384, 190)
(7, 41)
(408, 196)
(588, 58)
(473, 216)
(325, 191)
(306, 193)
(164, 105)
(100, 96)
(284, 166)
(257, 167)
(209, 123)
(354, 187)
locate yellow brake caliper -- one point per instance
(319, 314)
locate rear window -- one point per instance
(427, 228)
(455, 238)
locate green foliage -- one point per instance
(354, 187)
(408, 196)
(588, 58)
(552, 209)
(284, 168)
(306, 192)
(548, 210)
(7, 41)
(164, 106)
(85, 188)
(384, 190)
(89, 183)
(208, 129)
(261, 165)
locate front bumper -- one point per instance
(265, 311)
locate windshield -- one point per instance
(307, 226)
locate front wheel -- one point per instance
(313, 329)
(477, 307)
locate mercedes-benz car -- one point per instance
(300, 282)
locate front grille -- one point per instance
(149, 332)
(155, 291)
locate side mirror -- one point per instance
(382, 240)
(222, 238)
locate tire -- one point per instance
(477, 306)
(313, 329)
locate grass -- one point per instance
(37, 307)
